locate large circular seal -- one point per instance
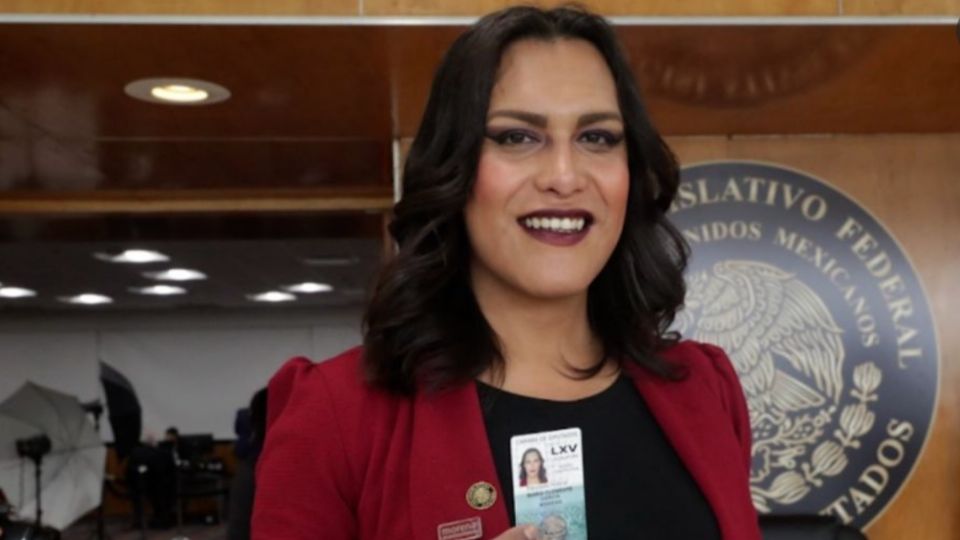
(827, 325)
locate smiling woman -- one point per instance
(528, 303)
(530, 118)
(552, 169)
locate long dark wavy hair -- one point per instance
(423, 328)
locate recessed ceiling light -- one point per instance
(87, 299)
(272, 296)
(16, 292)
(176, 274)
(134, 256)
(177, 91)
(159, 290)
(180, 93)
(309, 287)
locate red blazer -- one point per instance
(344, 461)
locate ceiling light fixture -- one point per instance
(87, 299)
(272, 296)
(176, 274)
(11, 292)
(309, 287)
(133, 256)
(159, 290)
(177, 91)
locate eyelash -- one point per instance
(603, 138)
(502, 138)
(608, 139)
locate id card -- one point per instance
(548, 483)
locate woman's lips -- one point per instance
(557, 227)
(557, 238)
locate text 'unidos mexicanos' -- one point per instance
(881, 271)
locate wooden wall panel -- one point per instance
(610, 7)
(900, 7)
(908, 182)
(754, 79)
(185, 7)
(477, 7)
(423, 7)
(842, 79)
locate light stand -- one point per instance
(34, 448)
(95, 408)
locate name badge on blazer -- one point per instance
(464, 529)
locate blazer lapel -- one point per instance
(694, 428)
(450, 453)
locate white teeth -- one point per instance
(560, 225)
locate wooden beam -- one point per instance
(610, 7)
(901, 7)
(194, 201)
(185, 7)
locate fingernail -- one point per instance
(530, 533)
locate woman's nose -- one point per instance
(561, 174)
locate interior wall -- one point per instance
(909, 184)
(192, 372)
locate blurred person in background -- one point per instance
(250, 427)
(151, 473)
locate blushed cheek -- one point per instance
(489, 183)
(481, 207)
(489, 199)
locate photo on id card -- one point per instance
(548, 483)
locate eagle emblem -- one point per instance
(788, 353)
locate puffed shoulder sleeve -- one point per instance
(303, 489)
(732, 397)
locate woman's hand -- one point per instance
(522, 532)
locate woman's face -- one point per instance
(532, 464)
(548, 205)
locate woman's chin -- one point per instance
(555, 289)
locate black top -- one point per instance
(635, 484)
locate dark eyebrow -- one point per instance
(533, 119)
(593, 118)
(540, 120)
